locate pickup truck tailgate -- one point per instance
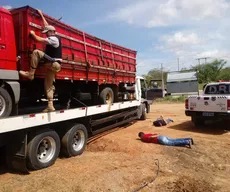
(208, 103)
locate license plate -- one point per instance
(208, 114)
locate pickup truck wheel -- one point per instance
(5, 103)
(106, 96)
(74, 141)
(198, 121)
(43, 149)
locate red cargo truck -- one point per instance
(94, 71)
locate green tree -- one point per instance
(155, 74)
(224, 74)
(209, 72)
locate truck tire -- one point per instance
(147, 108)
(143, 112)
(197, 121)
(5, 103)
(43, 149)
(74, 141)
(106, 96)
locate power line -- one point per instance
(205, 58)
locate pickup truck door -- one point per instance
(154, 93)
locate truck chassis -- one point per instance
(35, 141)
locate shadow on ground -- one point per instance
(214, 128)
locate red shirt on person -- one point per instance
(149, 139)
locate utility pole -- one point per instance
(178, 62)
(162, 78)
(198, 61)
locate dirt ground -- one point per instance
(120, 162)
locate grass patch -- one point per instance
(171, 99)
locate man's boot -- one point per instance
(50, 106)
(28, 74)
(35, 58)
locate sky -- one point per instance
(164, 32)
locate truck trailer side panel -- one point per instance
(85, 57)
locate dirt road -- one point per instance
(120, 162)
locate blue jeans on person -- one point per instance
(168, 120)
(173, 142)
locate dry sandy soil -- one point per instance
(120, 162)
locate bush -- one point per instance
(171, 99)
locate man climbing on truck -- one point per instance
(52, 57)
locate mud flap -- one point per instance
(16, 155)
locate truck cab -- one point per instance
(145, 93)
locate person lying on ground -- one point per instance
(164, 140)
(162, 122)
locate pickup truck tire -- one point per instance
(43, 149)
(198, 121)
(106, 96)
(5, 103)
(74, 141)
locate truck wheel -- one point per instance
(5, 103)
(106, 96)
(143, 112)
(148, 108)
(198, 121)
(43, 149)
(74, 141)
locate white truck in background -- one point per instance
(213, 104)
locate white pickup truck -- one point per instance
(213, 104)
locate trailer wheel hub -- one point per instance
(78, 140)
(46, 149)
(2, 105)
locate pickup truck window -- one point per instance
(217, 89)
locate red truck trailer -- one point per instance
(94, 71)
